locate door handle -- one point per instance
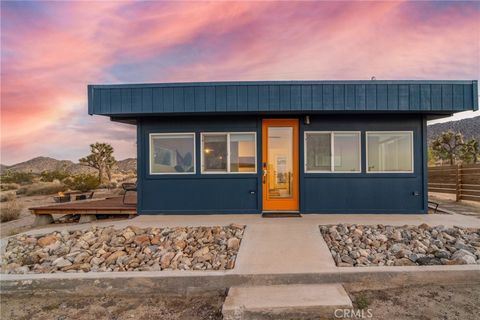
(264, 176)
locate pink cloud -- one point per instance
(51, 51)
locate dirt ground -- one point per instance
(111, 308)
(414, 303)
(422, 303)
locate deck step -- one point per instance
(285, 302)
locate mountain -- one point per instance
(470, 128)
(40, 164)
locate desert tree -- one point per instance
(470, 151)
(100, 158)
(448, 146)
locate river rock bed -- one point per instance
(100, 249)
(379, 245)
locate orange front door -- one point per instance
(280, 164)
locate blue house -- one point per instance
(282, 146)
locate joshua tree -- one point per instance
(100, 158)
(470, 151)
(448, 146)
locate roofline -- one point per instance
(280, 82)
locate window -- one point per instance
(229, 152)
(172, 153)
(390, 151)
(332, 152)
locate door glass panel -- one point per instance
(280, 162)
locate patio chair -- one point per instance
(128, 187)
(434, 205)
(85, 196)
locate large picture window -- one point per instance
(172, 153)
(229, 152)
(390, 151)
(332, 152)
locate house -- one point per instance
(282, 146)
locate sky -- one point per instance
(50, 51)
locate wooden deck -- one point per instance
(104, 206)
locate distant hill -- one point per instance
(40, 164)
(470, 128)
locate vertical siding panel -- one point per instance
(263, 98)
(457, 96)
(306, 97)
(189, 95)
(350, 97)
(210, 98)
(178, 100)
(97, 100)
(116, 100)
(232, 98)
(328, 97)
(168, 99)
(371, 97)
(252, 98)
(242, 98)
(126, 100)
(157, 100)
(447, 97)
(467, 96)
(285, 98)
(425, 97)
(137, 100)
(105, 95)
(220, 98)
(339, 96)
(274, 94)
(392, 91)
(296, 97)
(360, 97)
(317, 97)
(403, 97)
(200, 99)
(382, 97)
(436, 97)
(147, 100)
(414, 97)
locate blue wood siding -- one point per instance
(283, 96)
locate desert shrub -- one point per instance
(7, 196)
(50, 176)
(11, 211)
(82, 182)
(17, 177)
(9, 186)
(42, 188)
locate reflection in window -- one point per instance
(215, 153)
(228, 152)
(390, 151)
(332, 151)
(172, 153)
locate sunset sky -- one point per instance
(50, 51)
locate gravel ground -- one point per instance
(107, 307)
(457, 302)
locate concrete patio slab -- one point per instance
(285, 301)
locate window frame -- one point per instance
(332, 152)
(152, 134)
(411, 134)
(228, 133)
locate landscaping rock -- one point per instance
(379, 245)
(101, 249)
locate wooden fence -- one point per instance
(461, 180)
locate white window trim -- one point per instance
(332, 152)
(202, 166)
(410, 132)
(151, 135)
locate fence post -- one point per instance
(458, 182)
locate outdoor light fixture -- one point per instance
(307, 119)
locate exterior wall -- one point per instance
(319, 192)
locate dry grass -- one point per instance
(7, 196)
(42, 188)
(10, 211)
